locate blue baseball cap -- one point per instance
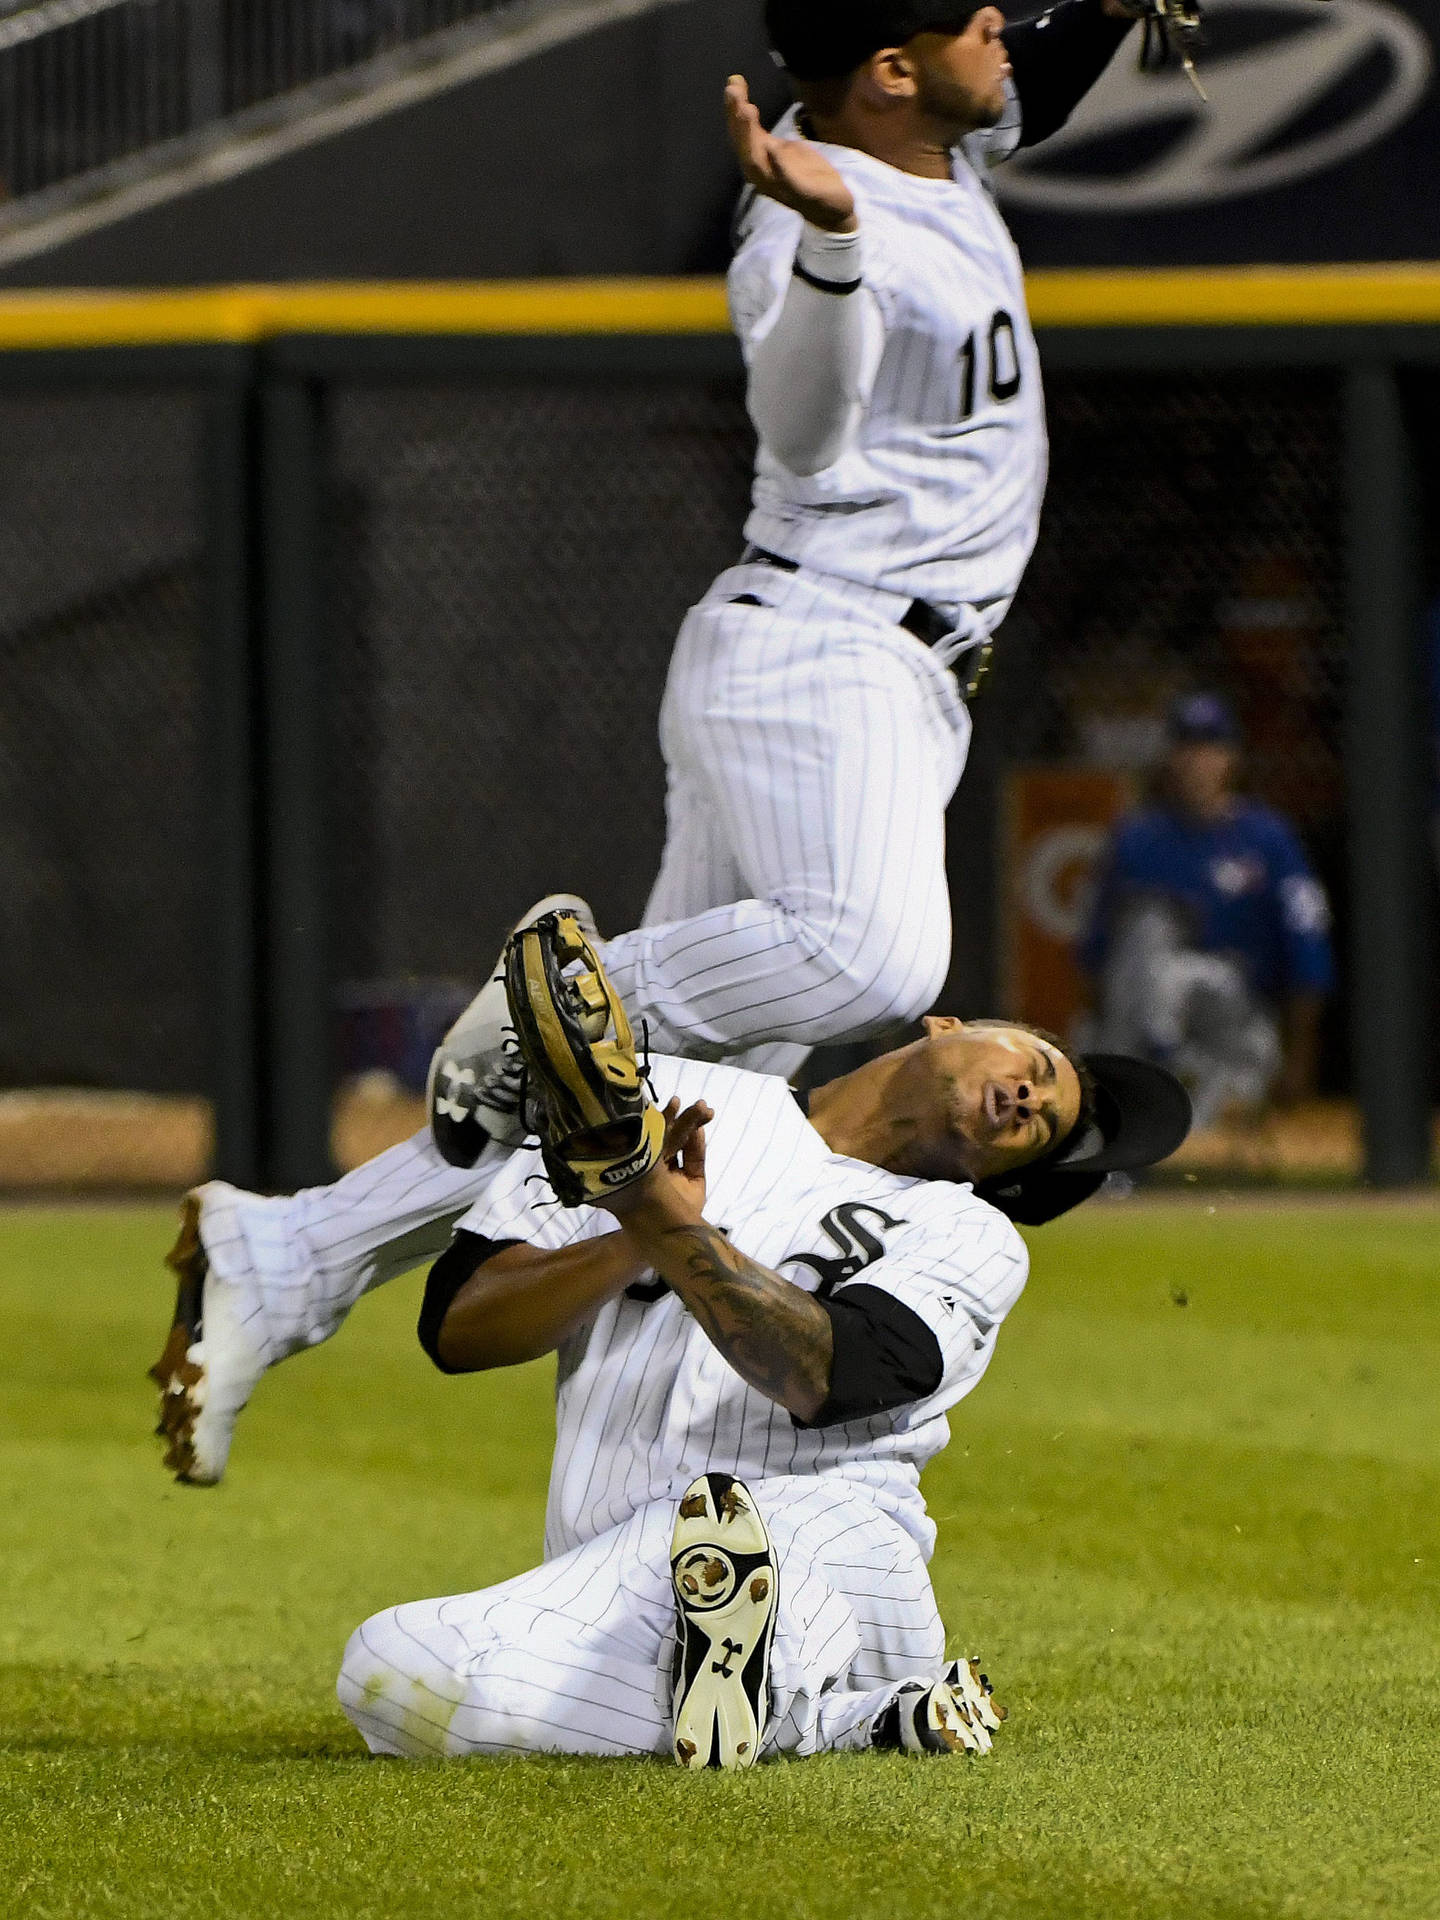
(1197, 717)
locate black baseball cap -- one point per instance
(822, 39)
(1138, 1114)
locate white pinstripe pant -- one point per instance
(812, 747)
(575, 1656)
(301, 1261)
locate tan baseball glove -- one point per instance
(585, 1091)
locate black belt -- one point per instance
(927, 623)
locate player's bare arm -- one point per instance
(775, 1335)
(524, 1301)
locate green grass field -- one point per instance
(1192, 1517)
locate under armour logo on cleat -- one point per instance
(722, 1667)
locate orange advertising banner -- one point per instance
(1056, 823)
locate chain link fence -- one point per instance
(1191, 538)
(506, 566)
(101, 787)
(511, 566)
(514, 562)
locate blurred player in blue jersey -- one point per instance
(1209, 940)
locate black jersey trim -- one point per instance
(825, 286)
(465, 1255)
(885, 1356)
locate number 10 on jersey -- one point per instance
(1003, 368)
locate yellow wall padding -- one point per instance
(1406, 294)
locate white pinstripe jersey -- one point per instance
(645, 1402)
(939, 495)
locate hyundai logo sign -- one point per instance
(1294, 86)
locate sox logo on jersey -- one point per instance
(842, 1226)
(858, 1246)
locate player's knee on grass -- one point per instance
(416, 1687)
(406, 1698)
(399, 1694)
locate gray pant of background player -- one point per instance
(1196, 1011)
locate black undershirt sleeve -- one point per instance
(1056, 58)
(466, 1253)
(885, 1356)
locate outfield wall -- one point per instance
(337, 618)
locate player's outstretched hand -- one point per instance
(794, 172)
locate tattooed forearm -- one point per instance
(774, 1334)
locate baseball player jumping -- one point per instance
(761, 1317)
(814, 724)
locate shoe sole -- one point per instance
(722, 1568)
(174, 1372)
(975, 1695)
(952, 1726)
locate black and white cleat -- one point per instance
(726, 1589)
(973, 1691)
(953, 1715)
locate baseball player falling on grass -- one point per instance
(761, 1317)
